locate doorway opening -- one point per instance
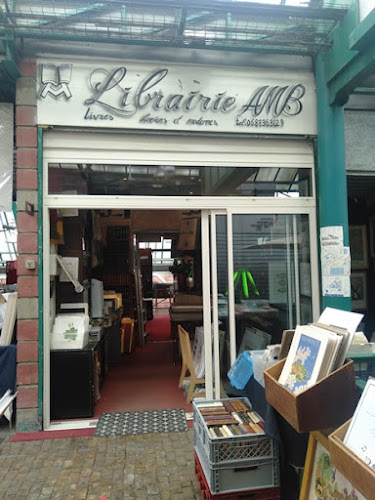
(125, 269)
(140, 274)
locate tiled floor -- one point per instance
(141, 467)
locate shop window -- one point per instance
(171, 180)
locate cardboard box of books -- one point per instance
(314, 386)
(352, 446)
(328, 403)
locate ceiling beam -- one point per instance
(363, 35)
(351, 59)
(354, 74)
(364, 91)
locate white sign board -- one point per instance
(179, 97)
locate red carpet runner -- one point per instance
(159, 328)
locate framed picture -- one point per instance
(320, 478)
(359, 289)
(372, 235)
(254, 339)
(277, 282)
(358, 247)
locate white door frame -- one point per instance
(61, 150)
(212, 372)
(211, 333)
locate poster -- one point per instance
(336, 286)
(335, 262)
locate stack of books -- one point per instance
(316, 350)
(230, 418)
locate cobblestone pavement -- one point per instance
(141, 467)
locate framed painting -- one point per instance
(358, 247)
(320, 478)
(358, 285)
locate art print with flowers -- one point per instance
(303, 364)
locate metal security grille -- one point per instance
(212, 24)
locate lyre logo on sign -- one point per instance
(55, 80)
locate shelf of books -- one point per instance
(233, 450)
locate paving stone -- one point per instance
(139, 467)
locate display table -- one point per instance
(189, 316)
(162, 292)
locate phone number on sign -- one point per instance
(260, 122)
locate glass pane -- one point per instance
(8, 241)
(272, 279)
(170, 180)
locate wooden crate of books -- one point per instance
(326, 404)
(228, 430)
(352, 446)
(350, 466)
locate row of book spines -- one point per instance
(236, 405)
(234, 417)
(230, 430)
(233, 405)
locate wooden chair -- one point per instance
(188, 366)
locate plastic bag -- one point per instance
(240, 372)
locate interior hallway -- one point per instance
(147, 379)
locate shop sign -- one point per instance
(186, 98)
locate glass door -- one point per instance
(261, 282)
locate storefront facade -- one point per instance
(216, 119)
(220, 113)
